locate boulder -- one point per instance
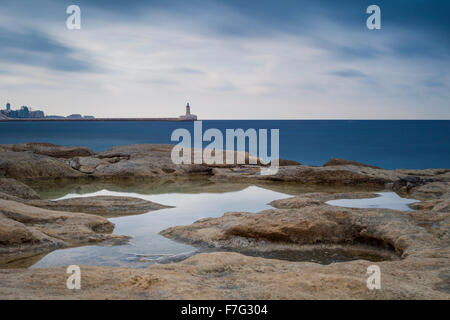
(86, 165)
(405, 184)
(31, 166)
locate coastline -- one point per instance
(414, 244)
(100, 119)
(387, 144)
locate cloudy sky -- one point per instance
(231, 59)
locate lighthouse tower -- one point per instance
(188, 109)
(188, 115)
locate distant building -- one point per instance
(23, 113)
(188, 115)
(13, 114)
(27, 113)
(75, 116)
(54, 117)
(37, 114)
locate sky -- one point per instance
(230, 59)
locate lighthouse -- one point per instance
(188, 109)
(188, 115)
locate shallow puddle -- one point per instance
(147, 247)
(386, 200)
(324, 255)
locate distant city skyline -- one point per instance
(25, 112)
(230, 59)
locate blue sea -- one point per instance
(409, 144)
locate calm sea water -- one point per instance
(388, 144)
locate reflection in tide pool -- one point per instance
(387, 200)
(146, 244)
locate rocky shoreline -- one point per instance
(412, 246)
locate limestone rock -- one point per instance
(314, 224)
(235, 276)
(18, 189)
(306, 220)
(107, 206)
(51, 150)
(432, 190)
(89, 163)
(153, 161)
(307, 175)
(27, 230)
(30, 166)
(286, 162)
(343, 162)
(13, 232)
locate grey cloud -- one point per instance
(434, 84)
(423, 48)
(160, 81)
(225, 87)
(352, 52)
(38, 49)
(348, 73)
(187, 70)
(437, 81)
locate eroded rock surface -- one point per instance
(40, 161)
(415, 245)
(306, 220)
(16, 188)
(343, 162)
(49, 149)
(420, 239)
(235, 276)
(432, 190)
(26, 231)
(107, 206)
(25, 166)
